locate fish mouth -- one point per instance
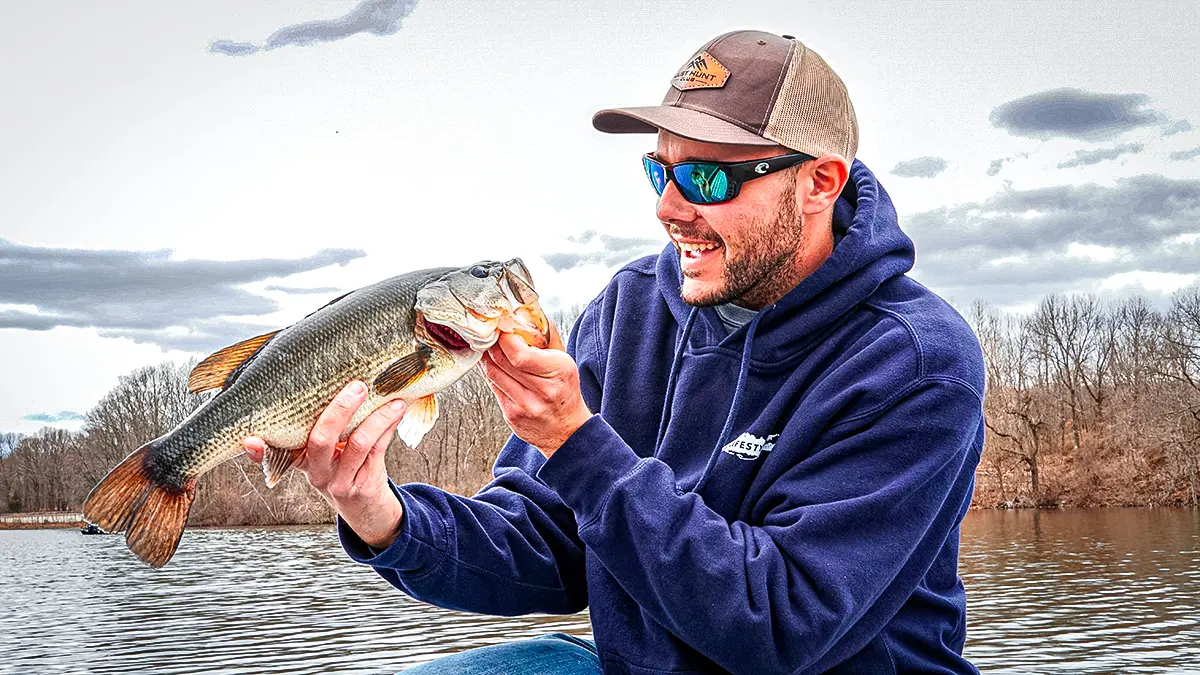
(447, 337)
(528, 323)
(470, 308)
(472, 332)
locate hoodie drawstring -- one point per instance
(735, 408)
(672, 376)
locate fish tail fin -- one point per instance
(151, 514)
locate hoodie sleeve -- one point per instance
(850, 532)
(511, 549)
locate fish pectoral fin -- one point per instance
(403, 372)
(277, 461)
(219, 369)
(418, 420)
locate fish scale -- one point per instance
(275, 386)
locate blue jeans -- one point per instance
(553, 654)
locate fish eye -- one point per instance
(478, 271)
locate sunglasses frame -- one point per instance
(736, 173)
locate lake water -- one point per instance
(1079, 591)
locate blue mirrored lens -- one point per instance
(702, 183)
(656, 173)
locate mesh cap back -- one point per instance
(751, 88)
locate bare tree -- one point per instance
(1067, 332)
(1015, 407)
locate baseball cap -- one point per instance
(750, 88)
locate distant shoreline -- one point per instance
(30, 521)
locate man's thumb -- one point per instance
(555, 339)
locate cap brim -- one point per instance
(685, 122)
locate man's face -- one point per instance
(743, 250)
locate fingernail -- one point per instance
(397, 405)
(356, 389)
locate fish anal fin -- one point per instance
(418, 420)
(403, 372)
(152, 514)
(277, 461)
(217, 370)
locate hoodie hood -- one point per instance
(872, 250)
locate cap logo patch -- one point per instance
(704, 72)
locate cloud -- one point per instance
(584, 237)
(1089, 157)
(231, 48)
(920, 167)
(377, 17)
(615, 251)
(64, 416)
(143, 295)
(1178, 126)
(1020, 244)
(302, 291)
(998, 164)
(1075, 113)
(1184, 155)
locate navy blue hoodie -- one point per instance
(784, 498)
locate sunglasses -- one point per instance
(714, 182)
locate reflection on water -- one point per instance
(1067, 591)
(280, 600)
(1083, 590)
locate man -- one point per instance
(755, 453)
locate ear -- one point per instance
(828, 174)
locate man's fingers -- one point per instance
(373, 466)
(499, 377)
(332, 422)
(367, 435)
(485, 363)
(530, 383)
(528, 359)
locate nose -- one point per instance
(673, 208)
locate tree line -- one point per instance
(55, 469)
(1088, 404)
(1091, 403)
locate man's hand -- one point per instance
(352, 478)
(538, 390)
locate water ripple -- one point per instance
(1083, 591)
(1078, 591)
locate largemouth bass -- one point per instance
(407, 337)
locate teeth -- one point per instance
(697, 247)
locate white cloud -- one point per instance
(1159, 282)
(1092, 252)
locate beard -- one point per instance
(760, 274)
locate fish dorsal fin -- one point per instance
(403, 372)
(418, 420)
(219, 368)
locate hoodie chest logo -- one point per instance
(749, 447)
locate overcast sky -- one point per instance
(176, 176)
